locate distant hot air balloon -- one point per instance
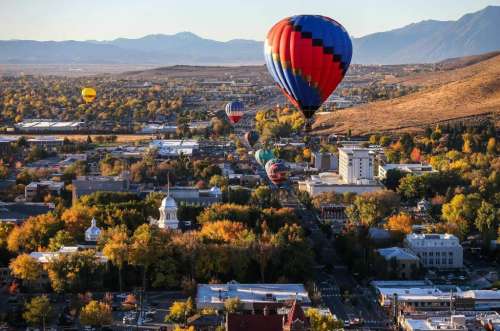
(234, 111)
(263, 155)
(88, 94)
(277, 171)
(251, 137)
(308, 56)
(269, 163)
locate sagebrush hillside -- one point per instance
(472, 90)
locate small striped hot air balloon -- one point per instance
(88, 94)
(307, 56)
(234, 111)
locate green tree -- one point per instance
(393, 178)
(146, 246)
(116, 249)
(321, 322)
(371, 208)
(38, 311)
(219, 181)
(233, 305)
(487, 220)
(61, 238)
(411, 187)
(180, 311)
(262, 196)
(77, 271)
(460, 212)
(96, 314)
(26, 267)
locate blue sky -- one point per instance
(215, 19)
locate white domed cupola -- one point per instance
(93, 232)
(168, 213)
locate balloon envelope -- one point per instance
(251, 137)
(88, 94)
(269, 163)
(307, 56)
(277, 171)
(263, 155)
(234, 111)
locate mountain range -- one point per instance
(426, 41)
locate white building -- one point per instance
(356, 164)
(449, 323)
(436, 250)
(214, 295)
(175, 147)
(93, 232)
(168, 214)
(414, 169)
(332, 182)
(40, 125)
(46, 257)
(483, 299)
(418, 297)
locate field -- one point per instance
(120, 138)
(464, 93)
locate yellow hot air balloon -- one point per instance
(88, 94)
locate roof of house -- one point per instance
(19, 211)
(236, 322)
(199, 320)
(482, 294)
(218, 293)
(379, 234)
(296, 314)
(397, 253)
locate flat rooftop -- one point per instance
(218, 293)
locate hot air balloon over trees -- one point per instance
(277, 171)
(234, 111)
(88, 94)
(269, 163)
(307, 56)
(251, 137)
(262, 156)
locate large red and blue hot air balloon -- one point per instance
(234, 111)
(308, 56)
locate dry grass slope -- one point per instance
(466, 92)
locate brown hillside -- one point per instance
(466, 92)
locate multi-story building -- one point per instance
(325, 161)
(405, 262)
(36, 190)
(356, 164)
(441, 251)
(85, 185)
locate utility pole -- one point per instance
(395, 305)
